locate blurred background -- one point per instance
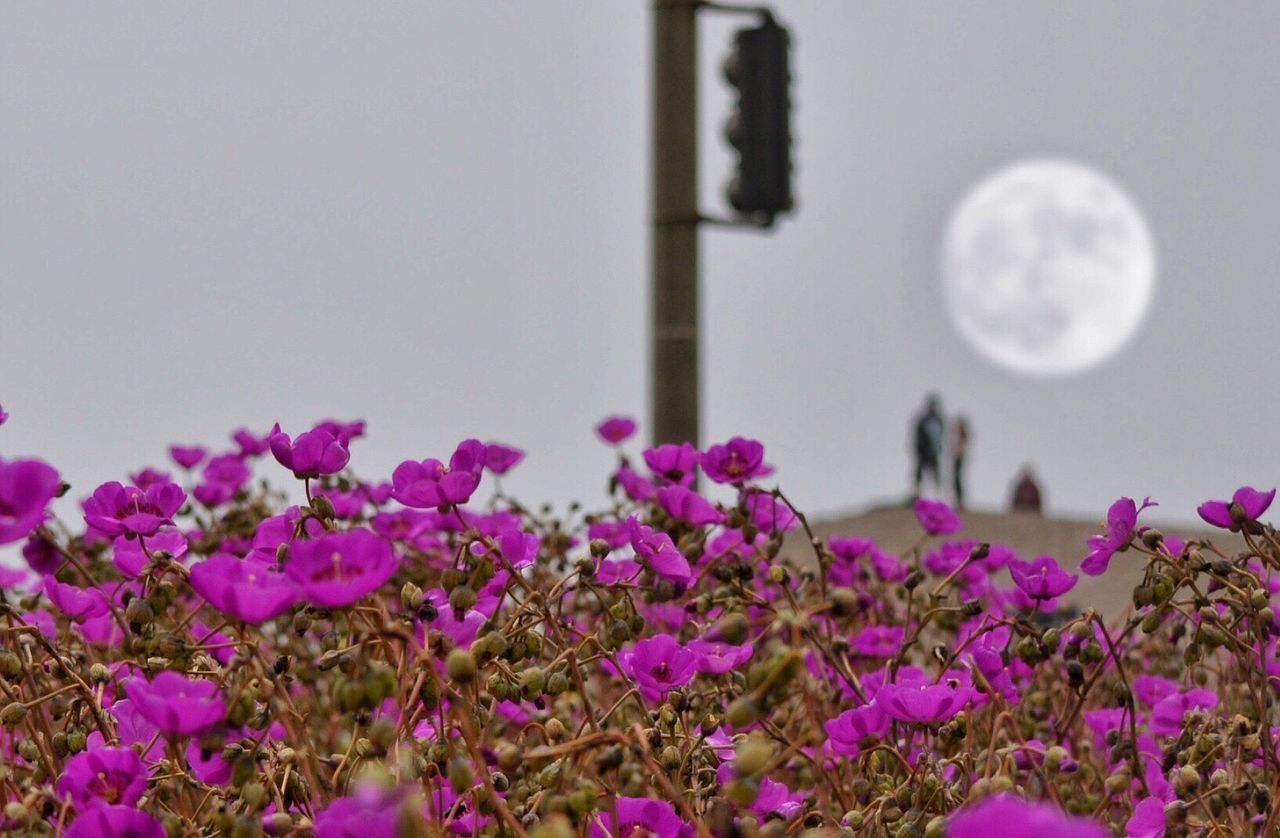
(436, 217)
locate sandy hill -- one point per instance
(895, 528)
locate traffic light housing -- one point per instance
(760, 127)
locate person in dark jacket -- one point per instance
(929, 430)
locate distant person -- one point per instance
(1026, 493)
(959, 446)
(929, 430)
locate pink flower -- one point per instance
(1010, 817)
(243, 588)
(717, 658)
(149, 476)
(369, 812)
(107, 775)
(500, 459)
(659, 664)
(1148, 820)
(639, 816)
(26, 489)
(119, 510)
(850, 549)
(878, 641)
(616, 430)
(925, 703)
(223, 477)
(344, 432)
(1122, 518)
(130, 559)
(673, 463)
(1168, 713)
(1041, 579)
(637, 487)
(430, 485)
(339, 569)
(853, 728)
(686, 505)
(735, 461)
(41, 556)
(770, 514)
(315, 452)
(115, 822)
(176, 704)
(936, 517)
(659, 553)
(250, 444)
(1152, 689)
(1246, 506)
(79, 604)
(187, 456)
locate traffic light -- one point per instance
(760, 127)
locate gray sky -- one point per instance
(433, 216)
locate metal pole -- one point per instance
(674, 368)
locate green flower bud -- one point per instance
(557, 683)
(460, 666)
(254, 794)
(743, 791)
(532, 683)
(13, 714)
(11, 664)
(461, 777)
(411, 596)
(1186, 782)
(743, 712)
(462, 599)
(751, 757)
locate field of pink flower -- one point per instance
(425, 655)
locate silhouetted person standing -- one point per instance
(929, 431)
(1026, 493)
(959, 445)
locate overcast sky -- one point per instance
(434, 216)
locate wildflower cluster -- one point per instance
(425, 655)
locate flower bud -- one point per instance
(460, 666)
(558, 683)
(751, 757)
(139, 612)
(1187, 781)
(743, 712)
(13, 714)
(600, 548)
(462, 599)
(10, 664)
(411, 596)
(532, 683)
(731, 628)
(254, 794)
(461, 777)
(322, 508)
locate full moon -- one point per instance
(1047, 267)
